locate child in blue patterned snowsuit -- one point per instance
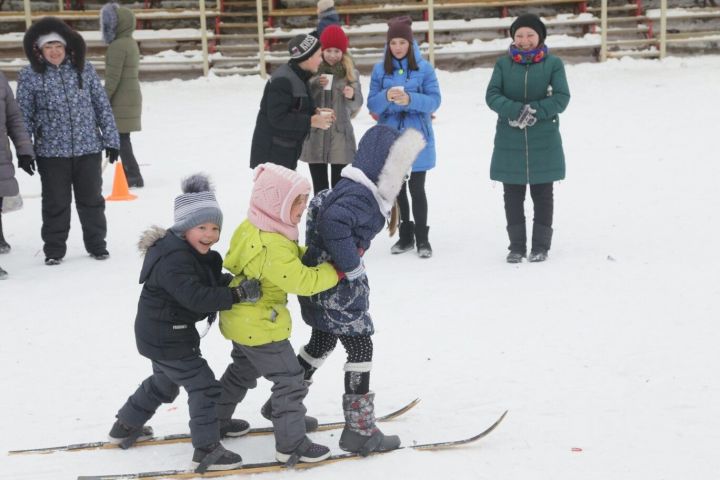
(341, 223)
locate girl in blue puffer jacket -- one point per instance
(404, 92)
(341, 223)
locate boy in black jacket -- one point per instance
(183, 283)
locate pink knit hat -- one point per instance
(273, 194)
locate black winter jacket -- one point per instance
(283, 121)
(181, 287)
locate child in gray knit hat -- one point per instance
(183, 284)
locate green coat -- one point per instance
(534, 154)
(122, 85)
(276, 262)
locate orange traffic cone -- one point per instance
(120, 186)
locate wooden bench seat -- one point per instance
(415, 6)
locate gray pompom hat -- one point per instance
(196, 205)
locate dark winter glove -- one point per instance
(526, 118)
(247, 291)
(27, 163)
(112, 154)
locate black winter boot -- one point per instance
(3, 274)
(360, 434)
(125, 436)
(518, 243)
(423, 244)
(541, 239)
(4, 246)
(307, 452)
(407, 238)
(215, 457)
(233, 427)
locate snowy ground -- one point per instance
(611, 347)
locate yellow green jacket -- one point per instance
(276, 262)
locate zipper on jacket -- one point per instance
(527, 151)
(72, 130)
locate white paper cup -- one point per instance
(326, 113)
(399, 87)
(329, 78)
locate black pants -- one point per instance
(60, 178)
(419, 200)
(319, 174)
(359, 349)
(130, 165)
(542, 196)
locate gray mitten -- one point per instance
(247, 291)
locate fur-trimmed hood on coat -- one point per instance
(116, 22)
(149, 237)
(74, 49)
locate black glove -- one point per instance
(247, 291)
(112, 154)
(27, 163)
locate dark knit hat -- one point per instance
(400, 27)
(303, 46)
(196, 205)
(531, 21)
(334, 37)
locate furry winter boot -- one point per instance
(424, 249)
(360, 434)
(407, 238)
(541, 240)
(518, 243)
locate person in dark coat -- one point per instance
(287, 110)
(12, 125)
(528, 90)
(183, 284)
(69, 118)
(122, 83)
(340, 226)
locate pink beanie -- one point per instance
(273, 194)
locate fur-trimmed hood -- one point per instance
(116, 22)
(149, 237)
(74, 49)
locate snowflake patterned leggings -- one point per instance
(359, 349)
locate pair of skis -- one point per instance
(251, 468)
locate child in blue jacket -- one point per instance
(404, 92)
(341, 224)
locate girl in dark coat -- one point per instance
(528, 90)
(287, 110)
(340, 226)
(68, 115)
(12, 125)
(183, 284)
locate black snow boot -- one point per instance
(407, 238)
(125, 436)
(307, 452)
(4, 246)
(518, 243)
(424, 249)
(233, 427)
(3, 274)
(541, 239)
(360, 434)
(215, 457)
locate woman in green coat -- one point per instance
(122, 85)
(528, 90)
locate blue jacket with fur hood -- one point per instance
(65, 108)
(342, 222)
